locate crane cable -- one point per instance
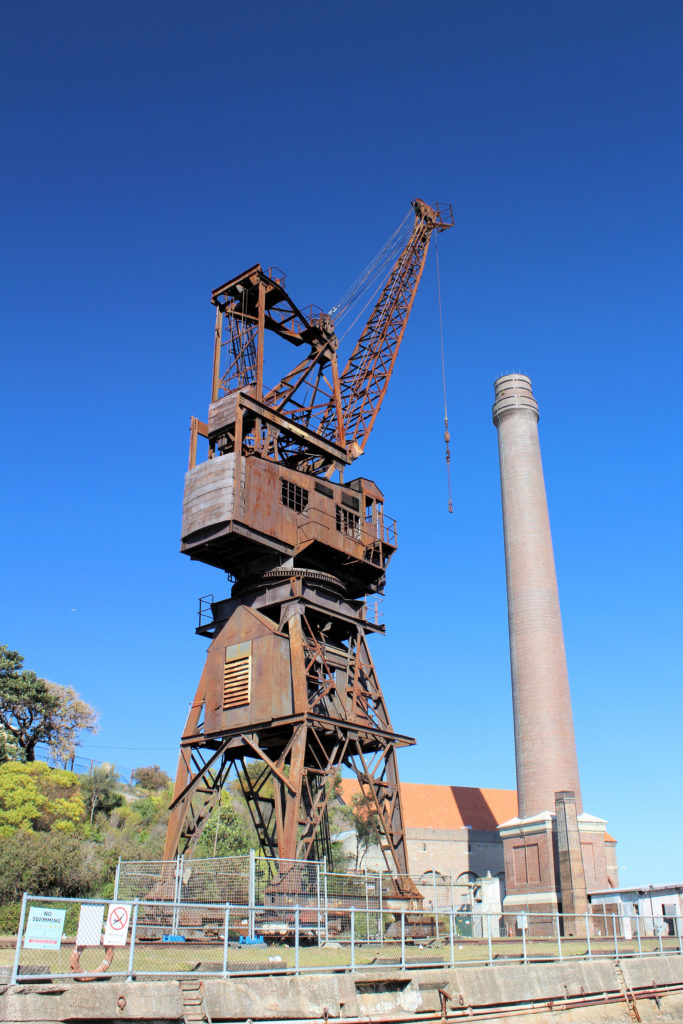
(446, 436)
(376, 269)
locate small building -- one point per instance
(646, 910)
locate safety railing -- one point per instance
(205, 612)
(313, 523)
(68, 938)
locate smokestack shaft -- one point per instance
(545, 747)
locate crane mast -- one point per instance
(289, 694)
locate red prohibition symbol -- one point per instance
(118, 918)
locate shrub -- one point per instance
(49, 864)
(9, 918)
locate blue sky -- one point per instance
(154, 150)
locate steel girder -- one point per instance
(287, 768)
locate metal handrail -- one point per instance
(366, 532)
(368, 923)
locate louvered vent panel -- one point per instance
(236, 683)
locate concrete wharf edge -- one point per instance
(585, 990)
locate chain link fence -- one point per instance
(143, 938)
(250, 879)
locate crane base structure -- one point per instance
(289, 694)
(292, 634)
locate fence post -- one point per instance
(297, 936)
(616, 941)
(381, 912)
(117, 878)
(252, 891)
(450, 881)
(403, 940)
(353, 938)
(679, 933)
(20, 934)
(436, 916)
(659, 933)
(525, 923)
(226, 927)
(559, 940)
(451, 923)
(133, 933)
(327, 915)
(317, 902)
(488, 928)
(367, 906)
(176, 891)
(640, 947)
(588, 935)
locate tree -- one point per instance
(224, 834)
(99, 790)
(35, 797)
(152, 777)
(365, 823)
(35, 710)
(9, 748)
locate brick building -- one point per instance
(451, 831)
(457, 833)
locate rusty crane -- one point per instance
(289, 692)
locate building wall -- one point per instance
(463, 854)
(448, 859)
(529, 860)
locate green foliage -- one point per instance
(224, 834)
(342, 860)
(52, 864)
(367, 926)
(34, 710)
(364, 820)
(10, 915)
(98, 788)
(36, 797)
(152, 777)
(9, 748)
(135, 831)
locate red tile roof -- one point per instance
(449, 807)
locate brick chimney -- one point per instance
(545, 748)
(553, 851)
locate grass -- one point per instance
(183, 957)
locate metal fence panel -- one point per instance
(284, 934)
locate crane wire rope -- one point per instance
(372, 284)
(446, 436)
(376, 268)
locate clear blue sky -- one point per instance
(153, 150)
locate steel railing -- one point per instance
(158, 938)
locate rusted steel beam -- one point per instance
(217, 343)
(261, 754)
(314, 441)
